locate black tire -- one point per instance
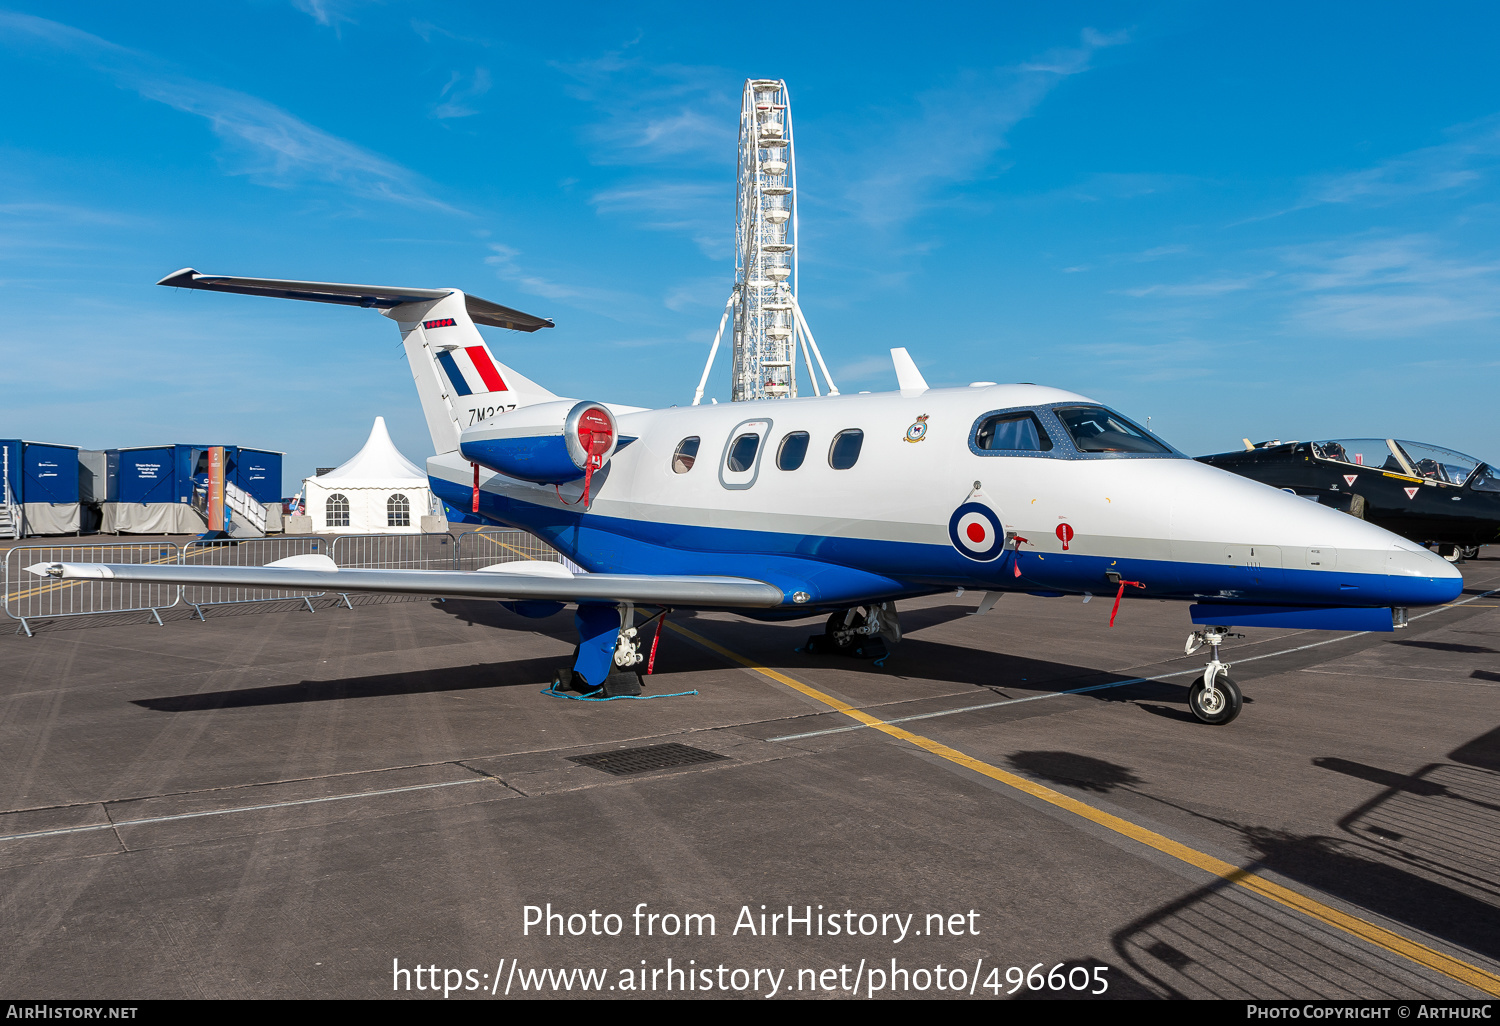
(836, 626)
(1226, 709)
(1452, 553)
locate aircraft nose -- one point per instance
(1399, 572)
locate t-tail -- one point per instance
(457, 376)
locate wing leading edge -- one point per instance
(714, 592)
(379, 297)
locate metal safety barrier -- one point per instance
(30, 598)
(482, 548)
(248, 552)
(36, 598)
(396, 551)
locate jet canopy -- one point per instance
(1415, 459)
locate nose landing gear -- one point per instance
(1213, 698)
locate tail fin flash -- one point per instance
(458, 379)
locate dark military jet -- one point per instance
(1430, 495)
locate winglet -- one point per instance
(907, 376)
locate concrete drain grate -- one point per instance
(641, 760)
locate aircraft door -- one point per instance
(740, 463)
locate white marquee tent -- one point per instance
(378, 491)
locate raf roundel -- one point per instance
(975, 531)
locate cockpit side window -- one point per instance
(1012, 431)
(1095, 429)
(1487, 480)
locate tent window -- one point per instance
(398, 511)
(338, 510)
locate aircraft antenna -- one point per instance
(768, 323)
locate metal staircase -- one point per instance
(10, 510)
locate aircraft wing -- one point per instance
(379, 297)
(536, 581)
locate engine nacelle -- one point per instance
(549, 443)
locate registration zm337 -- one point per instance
(827, 506)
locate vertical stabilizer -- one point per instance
(458, 379)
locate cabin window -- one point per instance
(742, 453)
(793, 451)
(685, 456)
(1095, 429)
(338, 510)
(1014, 431)
(844, 452)
(398, 511)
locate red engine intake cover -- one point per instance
(596, 435)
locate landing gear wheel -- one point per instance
(842, 636)
(1470, 552)
(1220, 707)
(1452, 553)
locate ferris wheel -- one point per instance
(768, 322)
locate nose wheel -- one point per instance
(1213, 698)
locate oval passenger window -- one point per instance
(686, 454)
(793, 451)
(844, 452)
(742, 453)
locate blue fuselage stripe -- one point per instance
(834, 569)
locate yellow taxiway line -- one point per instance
(1422, 955)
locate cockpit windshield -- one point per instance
(1095, 429)
(1362, 452)
(1487, 480)
(1400, 457)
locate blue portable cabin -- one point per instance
(258, 472)
(167, 473)
(43, 483)
(41, 471)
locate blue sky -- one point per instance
(1273, 221)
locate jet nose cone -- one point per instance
(1417, 577)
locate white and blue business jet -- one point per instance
(838, 506)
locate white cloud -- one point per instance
(1391, 286)
(459, 91)
(1215, 287)
(704, 211)
(270, 145)
(1470, 157)
(655, 113)
(608, 302)
(958, 131)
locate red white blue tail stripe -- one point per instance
(471, 370)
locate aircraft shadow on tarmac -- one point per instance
(1421, 852)
(677, 655)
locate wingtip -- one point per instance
(180, 279)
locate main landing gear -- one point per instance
(862, 632)
(609, 655)
(1213, 698)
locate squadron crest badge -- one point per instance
(918, 430)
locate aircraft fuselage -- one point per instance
(929, 505)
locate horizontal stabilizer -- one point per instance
(378, 297)
(706, 592)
